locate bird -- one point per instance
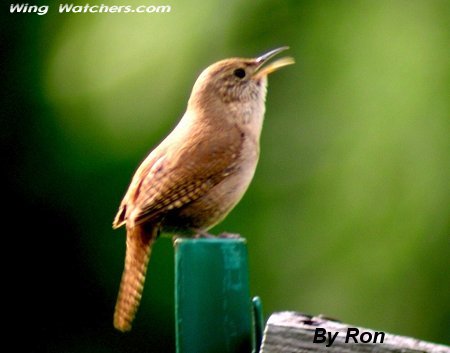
(199, 172)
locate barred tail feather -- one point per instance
(139, 245)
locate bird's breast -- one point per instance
(215, 205)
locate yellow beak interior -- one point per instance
(274, 66)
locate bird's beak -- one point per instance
(262, 70)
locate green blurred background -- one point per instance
(348, 214)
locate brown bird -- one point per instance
(199, 172)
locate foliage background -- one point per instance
(348, 214)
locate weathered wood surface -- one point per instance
(291, 332)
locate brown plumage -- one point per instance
(139, 246)
(199, 172)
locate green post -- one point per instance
(212, 299)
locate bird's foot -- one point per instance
(206, 235)
(203, 235)
(226, 235)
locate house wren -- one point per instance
(199, 172)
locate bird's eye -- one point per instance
(239, 73)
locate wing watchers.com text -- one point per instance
(71, 8)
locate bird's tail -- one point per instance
(139, 246)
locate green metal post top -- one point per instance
(212, 299)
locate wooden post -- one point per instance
(290, 332)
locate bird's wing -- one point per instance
(178, 178)
(147, 168)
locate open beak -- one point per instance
(262, 70)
